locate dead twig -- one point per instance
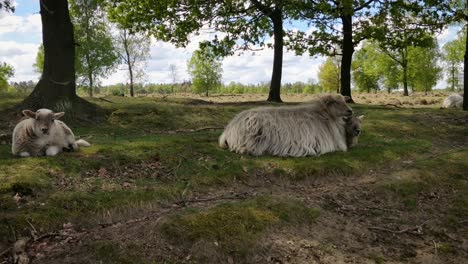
(239, 196)
(392, 105)
(198, 130)
(105, 100)
(413, 230)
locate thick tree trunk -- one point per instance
(57, 84)
(275, 85)
(346, 59)
(465, 72)
(56, 90)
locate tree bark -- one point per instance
(465, 72)
(129, 63)
(453, 77)
(346, 59)
(275, 85)
(56, 90)
(90, 75)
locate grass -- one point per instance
(235, 228)
(137, 158)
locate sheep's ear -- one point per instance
(347, 98)
(360, 117)
(29, 114)
(58, 115)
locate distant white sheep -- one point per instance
(43, 134)
(310, 129)
(453, 101)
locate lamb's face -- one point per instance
(337, 106)
(353, 129)
(44, 120)
(354, 126)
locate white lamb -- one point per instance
(453, 100)
(43, 134)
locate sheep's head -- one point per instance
(44, 119)
(336, 106)
(353, 129)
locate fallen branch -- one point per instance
(392, 105)
(105, 100)
(413, 230)
(198, 130)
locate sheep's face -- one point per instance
(337, 106)
(353, 128)
(44, 120)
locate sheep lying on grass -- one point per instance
(453, 100)
(43, 134)
(309, 129)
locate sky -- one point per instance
(20, 37)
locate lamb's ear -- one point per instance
(29, 114)
(58, 115)
(360, 117)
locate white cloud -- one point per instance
(10, 23)
(21, 56)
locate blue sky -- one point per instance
(20, 36)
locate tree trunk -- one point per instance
(405, 80)
(346, 59)
(465, 72)
(453, 77)
(56, 90)
(90, 75)
(275, 85)
(129, 63)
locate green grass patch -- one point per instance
(234, 228)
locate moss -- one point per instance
(235, 227)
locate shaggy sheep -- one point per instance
(311, 129)
(43, 134)
(353, 129)
(453, 100)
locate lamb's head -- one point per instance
(44, 119)
(336, 106)
(353, 127)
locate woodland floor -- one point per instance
(155, 188)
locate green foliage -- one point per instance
(368, 67)
(39, 64)
(423, 71)
(206, 69)
(453, 53)
(6, 71)
(96, 55)
(329, 74)
(325, 16)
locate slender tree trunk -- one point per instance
(275, 85)
(405, 80)
(346, 59)
(90, 75)
(465, 72)
(453, 77)
(129, 64)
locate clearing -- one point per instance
(155, 188)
